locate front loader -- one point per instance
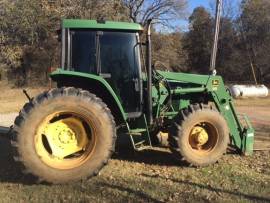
(104, 89)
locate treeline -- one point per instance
(29, 45)
(243, 45)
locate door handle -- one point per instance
(136, 84)
(105, 75)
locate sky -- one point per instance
(195, 3)
(183, 24)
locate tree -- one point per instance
(231, 61)
(161, 11)
(198, 41)
(91, 9)
(254, 25)
(26, 29)
(168, 53)
(28, 32)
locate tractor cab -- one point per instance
(107, 49)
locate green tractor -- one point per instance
(106, 87)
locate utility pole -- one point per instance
(216, 38)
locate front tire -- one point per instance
(199, 135)
(63, 135)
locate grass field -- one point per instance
(150, 176)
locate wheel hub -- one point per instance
(66, 137)
(199, 135)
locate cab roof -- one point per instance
(103, 25)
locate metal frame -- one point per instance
(68, 50)
(98, 62)
(63, 45)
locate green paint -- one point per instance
(190, 87)
(140, 137)
(224, 104)
(248, 140)
(171, 92)
(183, 104)
(62, 72)
(184, 77)
(188, 90)
(189, 84)
(93, 24)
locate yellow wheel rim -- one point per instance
(203, 137)
(65, 140)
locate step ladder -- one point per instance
(140, 137)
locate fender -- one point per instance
(61, 75)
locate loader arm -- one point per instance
(242, 133)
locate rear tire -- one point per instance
(199, 135)
(47, 127)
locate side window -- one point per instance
(83, 51)
(119, 57)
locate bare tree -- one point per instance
(161, 11)
(90, 9)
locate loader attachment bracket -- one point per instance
(247, 135)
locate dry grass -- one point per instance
(150, 176)
(263, 102)
(13, 99)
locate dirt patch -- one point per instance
(257, 114)
(253, 102)
(258, 110)
(7, 119)
(13, 99)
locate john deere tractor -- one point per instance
(107, 86)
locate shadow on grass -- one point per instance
(154, 156)
(150, 156)
(139, 194)
(9, 170)
(217, 190)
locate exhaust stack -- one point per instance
(149, 73)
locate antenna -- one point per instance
(215, 45)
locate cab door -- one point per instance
(120, 66)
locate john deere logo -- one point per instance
(215, 83)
